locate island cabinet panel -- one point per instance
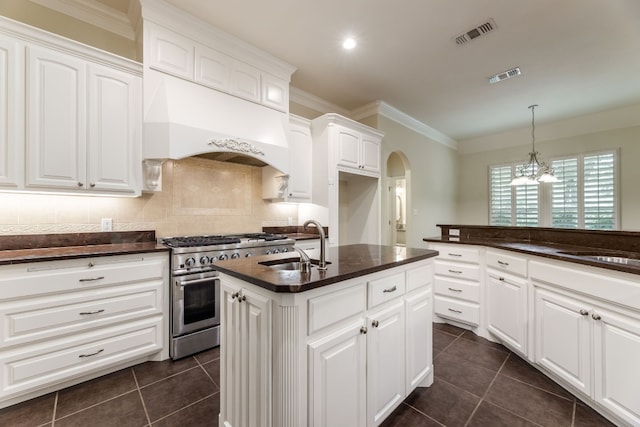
(507, 310)
(337, 378)
(339, 357)
(64, 322)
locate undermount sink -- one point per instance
(287, 264)
(607, 256)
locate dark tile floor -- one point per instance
(477, 383)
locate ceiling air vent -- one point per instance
(478, 31)
(505, 75)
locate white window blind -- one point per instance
(599, 192)
(500, 211)
(564, 194)
(527, 206)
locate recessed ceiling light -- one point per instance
(349, 43)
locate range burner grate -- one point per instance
(195, 241)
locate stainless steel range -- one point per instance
(195, 286)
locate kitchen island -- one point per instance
(342, 346)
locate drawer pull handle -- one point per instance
(391, 289)
(455, 311)
(452, 254)
(92, 279)
(501, 279)
(455, 290)
(584, 312)
(455, 271)
(363, 330)
(375, 323)
(505, 264)
(86, 313)
(82, 356)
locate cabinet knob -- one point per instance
(363, 330)
(80, 184)
(93, 184)
(584, 312)
(375, 323)
(235, 295)
(596, 316)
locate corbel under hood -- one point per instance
(184, 119)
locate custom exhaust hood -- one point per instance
(184, 119)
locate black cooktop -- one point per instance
(212, 240)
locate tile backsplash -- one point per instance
(199, 196)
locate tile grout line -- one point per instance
(186, 406)
(55, 408)
(144, 406)
(495, 377)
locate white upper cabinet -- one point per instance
(357, 150)
(203, 56)
(73, 115)
(11, 121)
(56, 111)
(300, 169)
(171, 53)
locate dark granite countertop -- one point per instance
(347, 262)
(560, 251)
(52, 247)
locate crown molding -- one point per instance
(315, 102)
(94, 13)
(392, 113)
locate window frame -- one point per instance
(545, 191)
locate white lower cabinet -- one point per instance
(342, 355)
(337, 378)
(507, 311)
(63, 322)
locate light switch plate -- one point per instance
(454, 232)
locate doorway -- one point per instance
(398, 202)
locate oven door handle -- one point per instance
(183, 283)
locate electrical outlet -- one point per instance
(107, 224)
(454, 232)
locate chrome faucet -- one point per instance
(305, 261)
(323, 261)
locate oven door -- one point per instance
(195, 302)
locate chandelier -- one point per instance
(534, 171)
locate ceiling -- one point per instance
(577, 56)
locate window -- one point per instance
(585, 197)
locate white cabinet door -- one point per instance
(370, 154)
(562, 338)
(246, 369)
(507, 310)
(11, 112)
(385, 362)
(337, 384)
(299, 187)
(115, 117)
(419, 338)
(56, 106)
(275, 92)
(348, 147)
(170, 52)
(245, 81)
(213, 68)
(616, 356)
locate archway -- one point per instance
(397, 219)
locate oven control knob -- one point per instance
(235, 255)
(285, 249)
(190, 262)
(248, 254)
(268, 251)
(223, 257)
(204, 260)
(213, 259)
(276, 250)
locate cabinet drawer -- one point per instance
(420, 276)
(33, 367)
(31, 319)
(334, 307)
(505, 262)
(458, 253)
(462, 311)
(459, 289)
(86, 273)
(386, 288)
(457, 269)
